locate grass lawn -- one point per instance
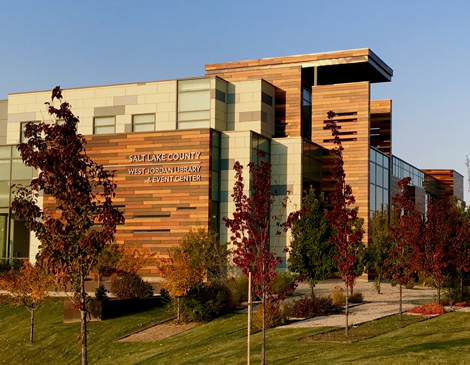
(443, 340)
(366, 330)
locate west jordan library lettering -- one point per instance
(167, 170)
(173, 143)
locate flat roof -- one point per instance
(332, 67)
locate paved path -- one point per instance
(375, 306)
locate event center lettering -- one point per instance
(167, 167)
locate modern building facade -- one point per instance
(173, 143)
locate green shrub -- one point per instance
(312, 306)
(426, 281)
(337, 297)
(238, 288)
(131, 286)
(275, 315)
(281, 283)
(100, 293)
(357, 297)
(206, 301)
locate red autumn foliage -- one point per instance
(428, 309)
(344, 219)
(440, 251)
(84, 219)
(250, 228)
(406, 230)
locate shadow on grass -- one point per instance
(364, 331)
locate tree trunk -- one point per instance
(439, 293)
(346, 328)
(250, 312)
(379, 278)
(83, 330)
(401, 306)
(31, 334)
(461, 286)
(178, 310)
(263, 342)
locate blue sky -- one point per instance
(425, 42)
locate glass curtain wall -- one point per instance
(14, 236)
(379, 181)
(215, 183)
(312, 166)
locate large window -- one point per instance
(379, 179)
(194, 104)
(104, 125)
(14, 236)
(143, 123)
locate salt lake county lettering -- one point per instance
(164, 157)
(166, 168)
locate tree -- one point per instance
(28, 287)
(379, 246)
(180, 276)
(405, 232)
(251, 237)
(441, 249)
(345, 221)
(312, 251)
(203, 246)
(83, 219)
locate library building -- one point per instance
(173, 144)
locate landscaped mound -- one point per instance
(428, 309)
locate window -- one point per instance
(143, 123)
(194, 103)
(23, 139)
(104, 125)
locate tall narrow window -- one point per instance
(194, 103)
(143, 123)
(307, 113)
(104, 125)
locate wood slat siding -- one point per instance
(447, 186)
(381, 117)
(273, 61)
(346, 98)
(140, 198)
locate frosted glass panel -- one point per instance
(19, 171)
(196, 84)
(104, 130)
(144, 119)
(143, 127)
(102, 121)
(5, 170)
(5, 152)
(187, 116)
(197, 100)
(4, 193)
(194, 125)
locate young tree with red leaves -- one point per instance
(344, 220)
(406, 229)
(27, 287)
(83, 220)
(441, 250)
(251, 237)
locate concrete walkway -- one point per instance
(375, 305)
